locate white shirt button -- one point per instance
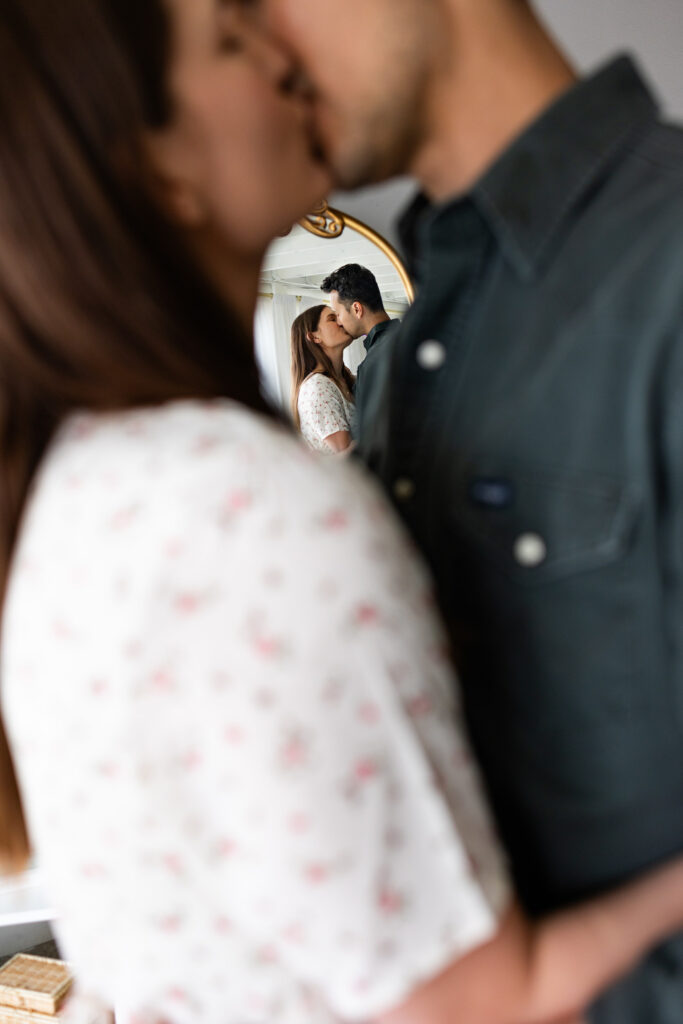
(404, 489)
(431, 355)
(530, 550)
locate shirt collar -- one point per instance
(372, 335)
(531, 191)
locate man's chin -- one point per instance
(348, 176)
(358, 167)
(350, 164)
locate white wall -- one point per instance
(590, 31)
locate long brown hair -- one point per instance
(307, 358)
(101, 305)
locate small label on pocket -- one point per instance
(492, 492)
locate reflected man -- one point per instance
(357, 302)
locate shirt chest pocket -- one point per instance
(555, 644)
(536, 526)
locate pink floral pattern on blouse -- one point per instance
(234, 725)
(323, 410)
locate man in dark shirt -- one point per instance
(356, 300)
(530, 429)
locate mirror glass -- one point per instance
(295, 267)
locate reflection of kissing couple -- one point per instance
(234, 737)
(329, 405)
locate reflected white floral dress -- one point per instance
(244, 771)
(323, 410)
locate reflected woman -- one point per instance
(323, 406)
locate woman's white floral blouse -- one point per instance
(233, 722)
(323, 410)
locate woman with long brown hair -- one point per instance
(241, 768)
(323, 406)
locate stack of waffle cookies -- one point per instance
(32, 989)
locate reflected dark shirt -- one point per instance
(370, 373)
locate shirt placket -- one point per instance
(430, 359)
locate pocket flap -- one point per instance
(539, 524)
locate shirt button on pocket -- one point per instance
(530, 550)
(404, 489)
(431, 355)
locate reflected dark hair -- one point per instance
(102, 306)
(355, 284)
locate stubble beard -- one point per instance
(382, 138)
(377, 154)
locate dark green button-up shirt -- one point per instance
(540, 469)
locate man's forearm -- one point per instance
(576, 953)
(549, 972)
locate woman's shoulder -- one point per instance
(169, 446)
(166, 439)
(185, 459)
(142, 494)
(321, 398)
(318, 382)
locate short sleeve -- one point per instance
(321, 408)
(264, 783)
(376, 860)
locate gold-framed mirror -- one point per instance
(292, 272)
(328, 223)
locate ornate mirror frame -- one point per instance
(326, 222)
